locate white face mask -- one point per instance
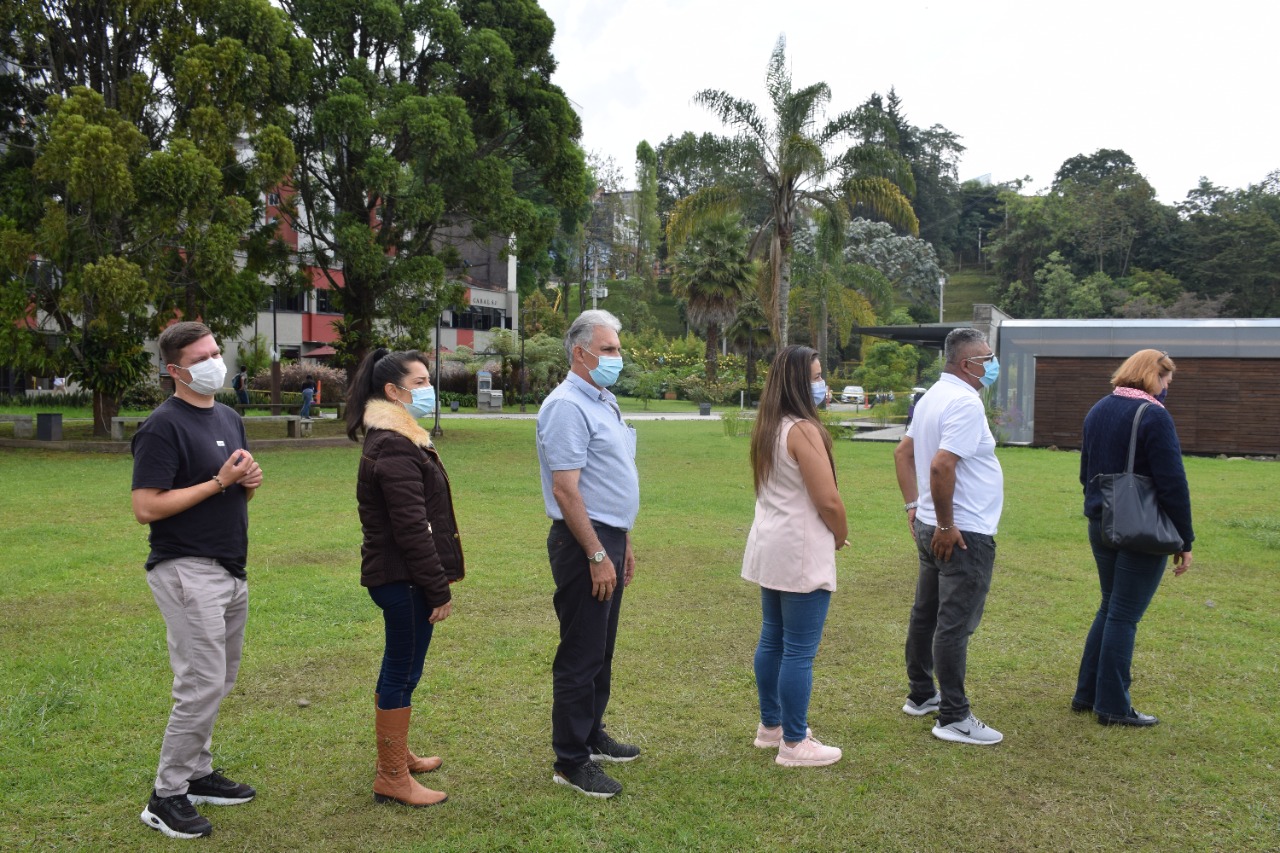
(206, 376)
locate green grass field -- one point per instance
(85, 680)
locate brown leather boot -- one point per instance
(393, 782)
(416, 763)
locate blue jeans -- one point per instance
(408, 633)
(1129, 581)
(950, 597)
(789, 635)
(307, 395)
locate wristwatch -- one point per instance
(597, 557)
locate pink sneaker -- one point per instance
(807, 753)
(771, 738)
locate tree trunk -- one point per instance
(782, 244)
(822, 335)
(713, 350)
(105, 408)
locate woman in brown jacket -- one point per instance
(411, 551)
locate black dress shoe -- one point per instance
(1081, 707)
(1133, 718)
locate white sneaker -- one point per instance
(807, 753)
(928, 706)
(771, 738)
(971, 730)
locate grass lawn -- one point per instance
(85, 681)
(964, 288)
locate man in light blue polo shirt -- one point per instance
(591, 489)
(954, 491)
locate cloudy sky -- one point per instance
(1186, 89)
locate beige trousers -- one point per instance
(205, 610)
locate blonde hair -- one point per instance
(1143, 370)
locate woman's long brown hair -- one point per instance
(786, 392)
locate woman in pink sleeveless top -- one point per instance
(791, 551)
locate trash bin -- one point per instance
(49, 426)
(704, 409)
(495, 399)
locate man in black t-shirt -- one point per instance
(193, 477)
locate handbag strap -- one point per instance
(1133, 437)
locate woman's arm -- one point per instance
(805, 445)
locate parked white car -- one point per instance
(853, 394)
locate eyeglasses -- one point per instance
(982, 358)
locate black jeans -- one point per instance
(583, 664)
(950, 595)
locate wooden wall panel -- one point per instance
(1220, 405)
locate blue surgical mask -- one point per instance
(422, 401)
(607, 370)
(819, 391)
(990, 371)
(1160, 397)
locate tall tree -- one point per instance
(648, 229)
(420, 117)
(792, 158)
(149, 132)
(712, 272)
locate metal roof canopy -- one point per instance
(923, 334)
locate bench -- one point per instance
(23, 425)
(295, 427)
(292, 408)
(118, 425)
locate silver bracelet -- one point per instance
(910, 506)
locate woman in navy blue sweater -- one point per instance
(1128, 578)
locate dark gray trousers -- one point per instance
(950, 595)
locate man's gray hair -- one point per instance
(583, 329)
(960, 342)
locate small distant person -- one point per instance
(799, 525)
(1128, 579)
(193, 478)
(60, 384)
(308, 389)
(591, 491)
(411, 553)
(241, 385)
(954, 491)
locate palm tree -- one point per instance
(750, 331)
(791, 169)
(712, 272)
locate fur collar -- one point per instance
(383, 414)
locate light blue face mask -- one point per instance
(422, 401)
(608, 369)
(990, 372)
(819, 391)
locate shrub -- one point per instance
(144, 394)
(333, 381)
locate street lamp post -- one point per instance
(524, 375)
(436, 430)
(942, 285)
(275, 354)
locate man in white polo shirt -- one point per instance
(954, 491)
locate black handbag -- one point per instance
(1131, 516)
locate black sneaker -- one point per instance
(175, 817)
(589, 779)
(607, 749)
(217, 790)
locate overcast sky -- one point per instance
(1186, 89)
